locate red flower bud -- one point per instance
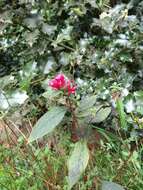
(60, 82)
(71, 87)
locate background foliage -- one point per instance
(97, 43)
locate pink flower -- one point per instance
(61, 83)
(71, 87)
(58, 82)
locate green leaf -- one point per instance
(77, 162)
(138, 95)
(50, 93)
(122, 115)
(47, 123)
(139, 101)
(86, 103)
(7, 80)
(31, 37)
(48, 29)
(101, 115)
(139, 109)
(111, 186)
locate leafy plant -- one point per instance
(98, 44)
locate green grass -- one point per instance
(23, 167)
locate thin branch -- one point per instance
(48, 38)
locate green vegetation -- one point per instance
(71, 95)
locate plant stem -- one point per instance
(75, 124)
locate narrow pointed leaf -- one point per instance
(77, 162)
(122, 115)
(47, 123)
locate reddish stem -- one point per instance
(74, 135)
